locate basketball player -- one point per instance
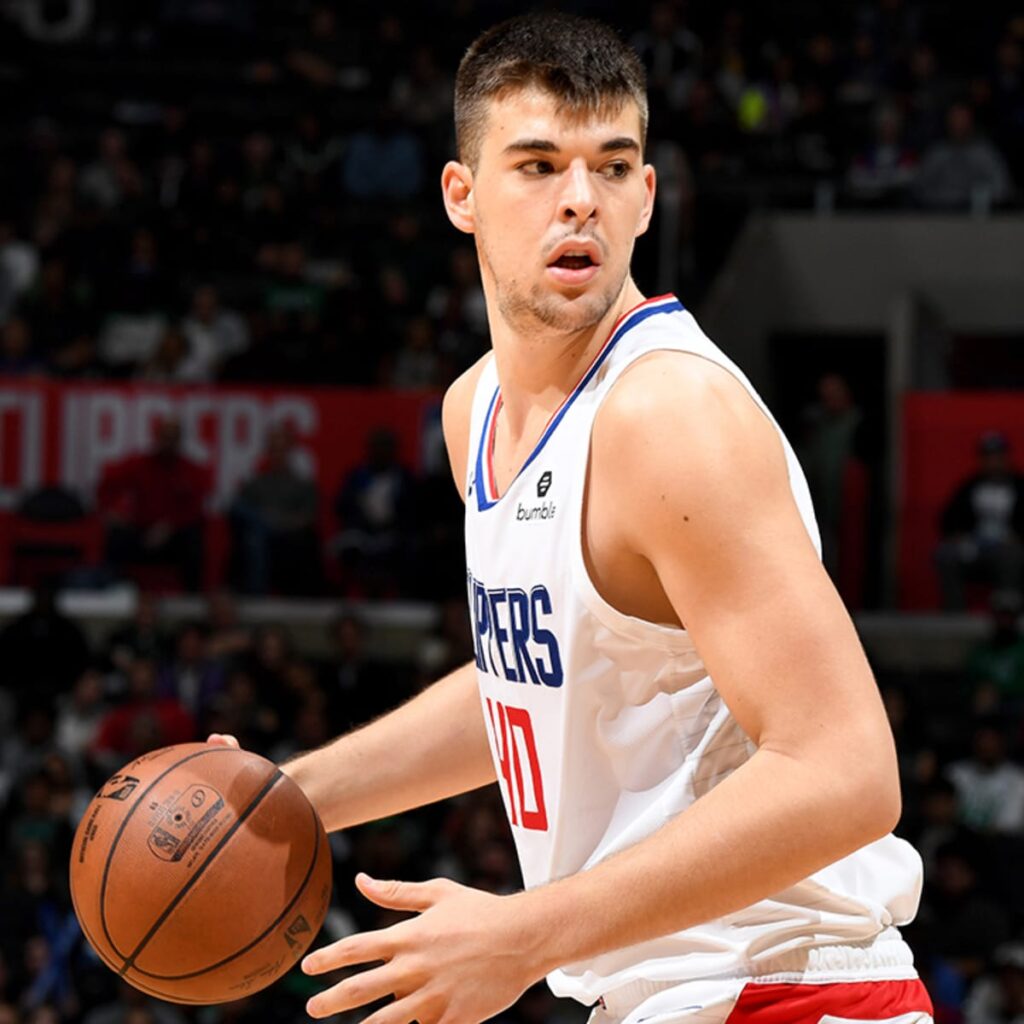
(688, 740)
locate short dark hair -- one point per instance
(580, 61)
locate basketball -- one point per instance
(200, 873)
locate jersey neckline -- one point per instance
(485, 484)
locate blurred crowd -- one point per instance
(241, 191)
(74, 709)
(222, 190)
(391, 533)
(961, 749)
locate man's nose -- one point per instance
(579, 199)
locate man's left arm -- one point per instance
(710, 507)
(718, 522)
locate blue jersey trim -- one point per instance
(482, 501)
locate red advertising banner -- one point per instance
(940, 435)
(62, 433)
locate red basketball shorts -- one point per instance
(896, 1002)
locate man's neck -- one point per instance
(538, 367)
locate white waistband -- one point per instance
(885, 957)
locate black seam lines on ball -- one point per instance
(259, 938)
(187, 887)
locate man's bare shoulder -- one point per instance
(678, 402)
(688, 443)
(456, 411)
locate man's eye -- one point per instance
(536, 168)
(616, 169)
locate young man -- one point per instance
(691, 749)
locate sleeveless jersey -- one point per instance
(604, 726)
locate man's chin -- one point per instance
(573, 308)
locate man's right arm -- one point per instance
(432, 747)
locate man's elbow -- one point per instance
(876, 803)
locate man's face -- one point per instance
(556, 205)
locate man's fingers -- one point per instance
(358, 990)
(223, 739)
(363, 948)
(401, 1011)
(402, 895)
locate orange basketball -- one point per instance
(200, 873)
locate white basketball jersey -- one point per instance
(604, 726)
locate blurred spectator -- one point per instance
(55, 205)
(864, 74)
(450, 645)
(373, 508)
(274, 517)
(983, 526)
(140, 638)
(424, 94)
(996, 665)
(358, 688)
(939, 822)
(191, 677)
(885, 169)
(267, 664)
(707, 133)
(18, 357)
(79, 714)
(959, 924)
(42, 651)
(241, 711)
(260, 169)
(417, 365)
(62, 320)
(152, 505)
(214, 335)
(228, 639)
(997, 997)
(816, 136)
(964, 170)
(927, 96)
(384, 160)
(170, 362)
(28, 749)
(290, 292)
(312, 154)
(144, 722)
(111, 177)
(320, 59)
(33, 820)
(829, 445)
(19, 263)
(989, 787)
(1006, 84)
(457, 308)
(671, 53)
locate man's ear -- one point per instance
(650, 187)
(457, 189)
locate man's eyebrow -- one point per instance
(622, 142)
(531, 146)
(547, 146)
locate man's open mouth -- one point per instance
(571, 261)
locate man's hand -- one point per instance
(466, 957)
